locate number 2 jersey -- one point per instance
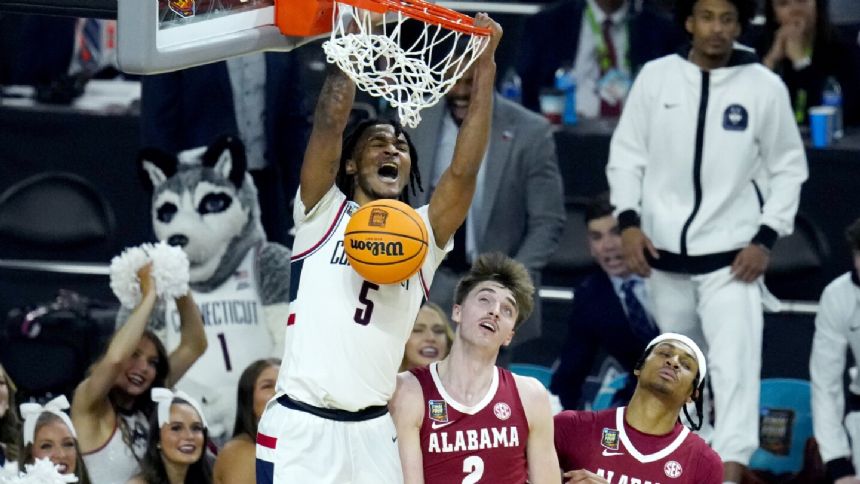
(603, 443)
(345, 336)
(482, 443)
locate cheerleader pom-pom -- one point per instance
(123, 275)
(169, 270)
(42, 471)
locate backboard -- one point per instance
(157, 36)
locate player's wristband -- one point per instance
(765, 237)
(839, 468)
(627, 219)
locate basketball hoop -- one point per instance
(410, 77)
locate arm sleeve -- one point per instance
(826, 366)
(785, 161)
(628, 150)
(544, 200)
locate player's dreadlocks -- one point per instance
(346, 182)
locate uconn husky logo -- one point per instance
(735, 118)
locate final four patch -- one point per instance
(610, 439)
(438, 410)
(735, 118)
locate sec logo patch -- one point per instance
(672, 469)
(502, 411)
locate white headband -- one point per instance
(700, 357)
(164, 398)
(30, 412)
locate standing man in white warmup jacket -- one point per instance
(699, 129)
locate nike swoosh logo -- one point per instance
(394, 439)
(437, 425)
(670, 105)
(609, 454)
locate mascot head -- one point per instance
(204, 201)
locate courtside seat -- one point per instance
(786, 424)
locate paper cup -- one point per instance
(821, 125)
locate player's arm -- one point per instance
(625, 171)
(540, 449)
(453, 195)
(322, 155)
(407, 411)
(826, 367)
(91, 395)
(192, 339)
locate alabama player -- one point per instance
(465, 420)
(345, 336)
(644, 442)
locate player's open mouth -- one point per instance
(63, 468)
(388, 171)
(488, 326)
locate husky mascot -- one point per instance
(205, 201)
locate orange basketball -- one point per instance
(385, 241)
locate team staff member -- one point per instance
(345, 336)
(464, 419)
(644, 442)
(835, 331)
(697, 127)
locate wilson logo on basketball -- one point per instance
(377, 218)
(390, 249)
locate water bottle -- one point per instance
(512, 86)
(832, 96)
(565, 81)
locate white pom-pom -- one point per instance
(123, 275)
(42, 471)
(169, 270)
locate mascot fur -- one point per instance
(205, 201)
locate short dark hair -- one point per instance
(852, 234)
(497, 267)
(246, 422)
(598, 207)
(346, 182)
(746, 11)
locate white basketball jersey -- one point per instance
(345, 336)
(237, 335)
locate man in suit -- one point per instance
(256, 97)
(518, 207)
(608, 312)
(605, 41)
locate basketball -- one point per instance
(385, 241)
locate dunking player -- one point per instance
(345, 336)
(644, 442)
(465, 420)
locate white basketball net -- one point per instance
(410, 78)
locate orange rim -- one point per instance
(425, 12)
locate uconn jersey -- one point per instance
(237, 336)
(482, 443)
(345, 336)
(601, 442)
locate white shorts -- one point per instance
(294, 446)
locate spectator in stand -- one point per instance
(605, 41)
(236, 461)
(800, 44)
(49, 434)
(609, 312)
(10, 424)
(430, 340)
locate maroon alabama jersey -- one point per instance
(482, 443)
(601, 442)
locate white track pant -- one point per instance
(724, 317)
